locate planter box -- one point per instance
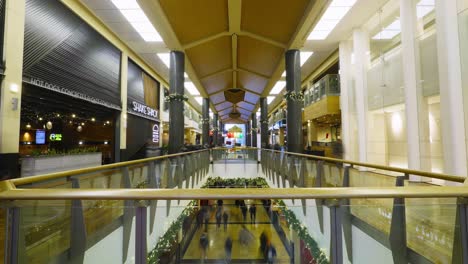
(31, 166)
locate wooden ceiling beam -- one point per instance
(254, 73)
(204, 40)
(262, 38)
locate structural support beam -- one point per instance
(254, 130)
(264, 39)
(176, 88)
(204, 40)
(451, 89)
(294, 105)
(361, 49)
(10, 90)
(205, 122)
(263, 122)
(254, 73)
(248, 136)
(346, 83)
(234, 60)
(215, 129)
(415, 105)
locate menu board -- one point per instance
(40, 137)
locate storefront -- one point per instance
(70, 99)
(143, 125)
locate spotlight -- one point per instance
(28, 126)
(107, 122)
(93, 119)
(105, 142)
(73, 115)
(58, 115)
(81, 142)
(40, 118)
(82, 124)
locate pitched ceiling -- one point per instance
(234, 43)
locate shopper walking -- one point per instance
(225, 220)
(253, 213)
(204, 244)
(228, 249)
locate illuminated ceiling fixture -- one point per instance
(191, 88)
(389, 32)
(424, 7)
(199, 100)
(278, 87)
(305, 55)
(138, 19)
(270, 99)
(332, 16)
(164, 57)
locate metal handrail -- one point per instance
(235, 193)
(56, 175)
(434, 175)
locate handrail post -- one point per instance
(336, 240)
(127, 215)
(140, 233)
(398, 242)
(346, 215)
(318, 177)
(460, 240)
(77, 227)
(15, 249)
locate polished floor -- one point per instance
(240, 253)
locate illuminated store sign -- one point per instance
(55, 137)
(155, 133)
(40, 137)
(144, 110)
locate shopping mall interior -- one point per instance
(234, 131)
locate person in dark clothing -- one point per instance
(225, 220)
(200, 217)
(270, 253)
(228, 249)
(253, 213)
(207, 219)
(244, 212)
(220, 203)
(204, 244)
(218, 218)
(263, 242)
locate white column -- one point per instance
(450, 81)
(361, 58)
(123, 98)
(416, 109)
(345, 50)
(10, 104)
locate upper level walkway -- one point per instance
(310, 209)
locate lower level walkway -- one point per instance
(250, 253)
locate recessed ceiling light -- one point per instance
(332, 16)
(278, 87)
(270, 99)
(164, 57)
(199, 100)
(191, 88)
(305, 55)
(138, 19)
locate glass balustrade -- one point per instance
(358, 226)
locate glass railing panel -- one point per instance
(430, 226)
(138, 175)
(332, 175)
(377, 212)
(310, 173)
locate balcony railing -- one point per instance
(327, 86)
(56, 217)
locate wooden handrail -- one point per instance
(56, 175)
(235, 193)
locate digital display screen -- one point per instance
(40, 137)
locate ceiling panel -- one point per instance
(247, 106)
(225, 112)
(269, 19)
(243, 111)
(217, 82)
(223, 106)
(251, 82)
(217, 98)
(258, 56)
(212, 56)
(245, 117)
(194, 19)
(251, 97)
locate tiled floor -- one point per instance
(240, 253)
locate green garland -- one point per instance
(167, 241)
(176, 97)
(303, 234)
(294, 96)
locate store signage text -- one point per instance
(55, 137)
(156, 133)
(145, 110)
(75, 94)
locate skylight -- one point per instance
(137, 18)
(390, 31)
(305, 55)
(191, 88)
(270, 99)
(199, 100)
(278, 87)
(164, 57)
(424, 7)
(332, 16)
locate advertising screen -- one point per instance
(40, 136)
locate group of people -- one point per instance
(243, 207)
